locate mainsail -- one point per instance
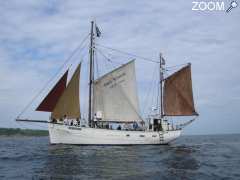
(68, 103)
(178, 95)
(50, 101)
(115, 95)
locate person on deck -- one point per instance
(78, 121)
(65, 120)
(95, 120)
(135, 126)
(75, 123)
(119, 127)
(53, 120)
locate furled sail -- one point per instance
(115, 95)
(178, 95)
(68, 103)
(50, 101)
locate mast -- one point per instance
(161, 87)
(91, 71)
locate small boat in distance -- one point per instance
(114, 116)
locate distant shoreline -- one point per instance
(22, 132)
(37, 132)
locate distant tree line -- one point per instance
(23, 132)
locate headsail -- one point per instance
(50, 101)
(178, 95)
(68, 103)
(115, 95)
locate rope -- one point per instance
(154, 92)
(30, 126)
(149, 91)
(171, 68)
(129, 54)
(107, 58)
(51, 79)
(96, 62)
(182, 125)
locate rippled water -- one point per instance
(191, 157)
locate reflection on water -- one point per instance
(118, 162)
(91, 161)
(192, 157)
(181, 163)
(182, 157)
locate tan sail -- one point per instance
(178, 95)
(68, 103)
(115, 95)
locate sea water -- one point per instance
(190, 157)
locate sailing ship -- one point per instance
(113, 101)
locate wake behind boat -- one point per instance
(114, 115)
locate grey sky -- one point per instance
(37, 36)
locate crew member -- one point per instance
(65, 121)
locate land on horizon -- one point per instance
(41, 132)
(24, 132)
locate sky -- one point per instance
(36, 37)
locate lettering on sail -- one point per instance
(115, 80)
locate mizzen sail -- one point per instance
(178, 95)
(50, 101)
(115, 95)
(68, 103)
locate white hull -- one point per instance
(62, 134)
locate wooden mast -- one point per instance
(161, 87)
(91, 71)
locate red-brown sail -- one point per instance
(50, 101)
(178, 95)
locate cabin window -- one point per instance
(127, 135)
(142, 135)
(154, 135)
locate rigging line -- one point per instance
(83, 53)
(175, 66)
(30, 126)
(153, 91)
(159, 91)
(107, 58)
(144, 58)
(130, 54)
(149, 91)
(51, 79)
(97, 75)
(96, 62)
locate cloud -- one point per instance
(37, 36)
